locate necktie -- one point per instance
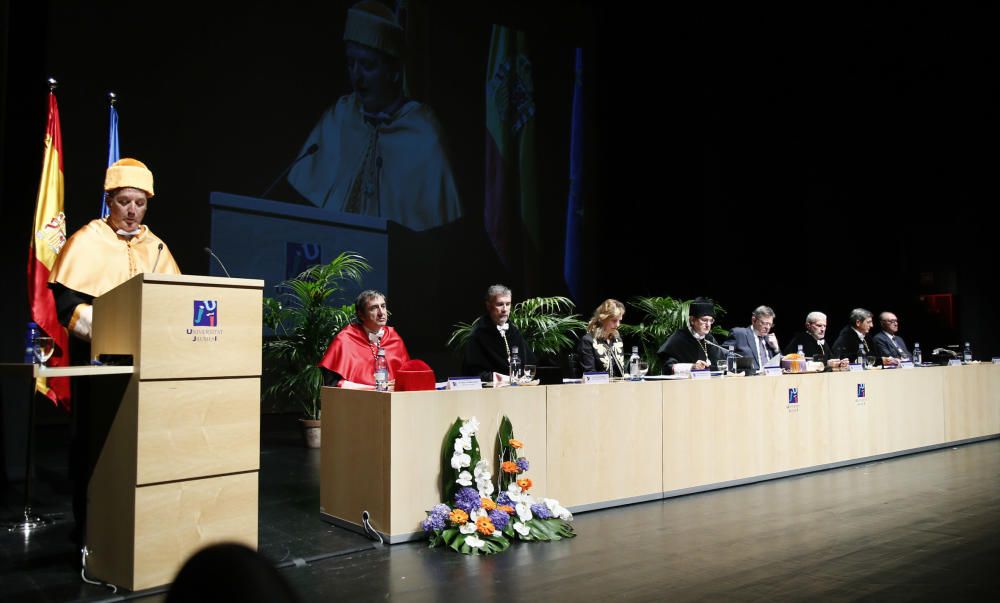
(764, 357)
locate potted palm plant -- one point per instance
(303, 319)
(662, 316)
(547, 324)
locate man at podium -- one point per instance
(107, 252)
(349, 361)
(97, 258)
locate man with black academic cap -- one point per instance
(687, 349)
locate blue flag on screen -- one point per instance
(113, 153)
(573, 262)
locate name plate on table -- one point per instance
(596, 377)
(772, 371)
(459, 383)
(906, 364)
(954, 362)
(706, 374)
(996, 360)
(855, 367)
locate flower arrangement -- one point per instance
(476, 523)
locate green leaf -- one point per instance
(448, 474)
(547, 324)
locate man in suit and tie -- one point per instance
(756, 341)
(888, 343)
(857, 334)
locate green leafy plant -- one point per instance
(661, 317)
(303, 322)
(548, 325)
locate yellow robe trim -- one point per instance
(96, 259)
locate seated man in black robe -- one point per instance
(494, 338)
(814, 343)
(692, 347)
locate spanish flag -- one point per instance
(47, 238)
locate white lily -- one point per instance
(467, 528)
(480, 512)
(482, 471)
(523, 511)
(485, 488)
(474, 541)
(469, 428)
(557, 510)
(462, 444)
(460, 460)
(464, 478)
(521, 529)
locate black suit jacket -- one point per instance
(486, 353)
(846, 346)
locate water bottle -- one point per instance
(861, 354)
(801, 352)
(633, 363)
(29, 342)
(381, 372)
(918, 356)
(967, 353)
(731, 361)
(515, 364)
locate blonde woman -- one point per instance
(601, 348)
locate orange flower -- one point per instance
(525, 484)
(509, 467)
(488, 504)
(458, 517)
(485, 526)
(509, 510)
(515, 443)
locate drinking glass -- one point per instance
(43, 348)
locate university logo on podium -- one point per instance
(793, 395)
(861, 390)
(206, 313)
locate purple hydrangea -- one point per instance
(467, 499)
(499, 519)
(522, 464)
(540, 511)
(503, 499)
(437, 518)
(434, 523)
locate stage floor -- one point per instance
(921, 527)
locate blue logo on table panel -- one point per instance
(861, 390)
(206, 313)
(793, 395)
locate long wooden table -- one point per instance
(597, 446)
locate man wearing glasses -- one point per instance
(756, 341)
(692, 348)
(888, 343)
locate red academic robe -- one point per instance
(352, 356)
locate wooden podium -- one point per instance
(179, 446)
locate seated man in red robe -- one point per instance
(350, 360)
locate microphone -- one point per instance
(726, 350)
(159, 250)
(310, 151)
(944, 351)
(209, 251)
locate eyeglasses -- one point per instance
(706, 320)
(893, 321)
